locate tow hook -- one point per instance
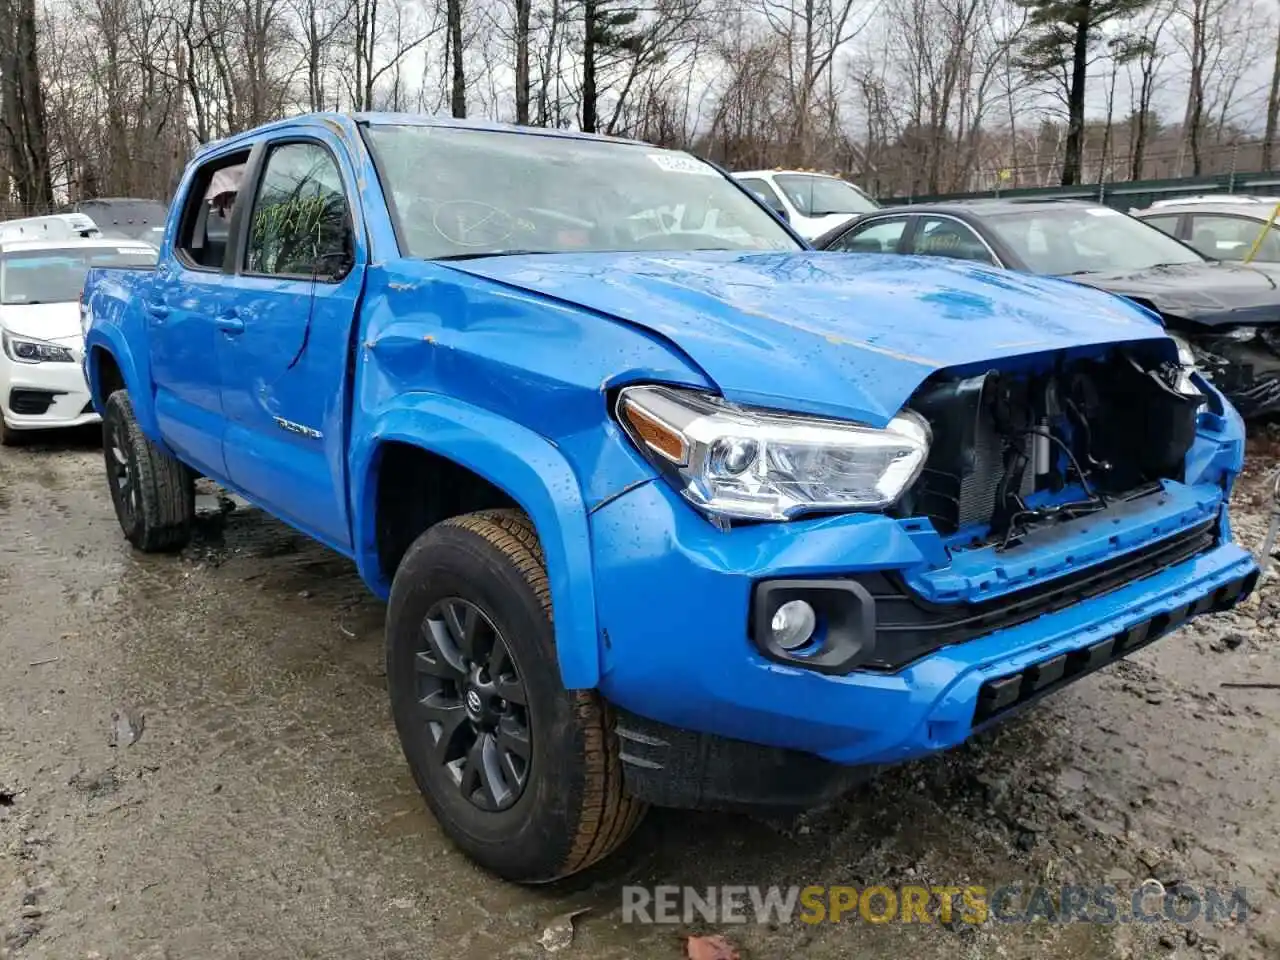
(1268, 544)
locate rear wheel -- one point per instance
(153, 494)
(522, 774)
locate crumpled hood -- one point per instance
(826, 333)
(1208, 293)
(42, 321)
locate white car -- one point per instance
(812, 203)
(41, 378)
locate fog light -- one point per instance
(793, 624)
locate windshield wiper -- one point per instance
(492, 253)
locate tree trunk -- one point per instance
(459, 84)
(1139, 145)
(589, 66)
(522, 60)
(1273, 109)
(1075, 100)
(1195, 96)
(22, 110)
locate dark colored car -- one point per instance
(1228, 313)
(128, 218)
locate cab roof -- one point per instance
(345, 124)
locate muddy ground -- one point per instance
(196, 761)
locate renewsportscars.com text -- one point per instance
(976, 904)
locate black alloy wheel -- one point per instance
(121, 475)
(474, 703)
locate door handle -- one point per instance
(157, 311)
(230, 324)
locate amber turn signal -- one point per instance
(658, 436)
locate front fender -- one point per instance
(531, 471)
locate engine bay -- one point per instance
(1020, 450)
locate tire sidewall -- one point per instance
(533, 837)
(118, 417)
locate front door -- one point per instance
(283, 341)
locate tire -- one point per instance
(570, 810)
(153, 494)
(9, 437)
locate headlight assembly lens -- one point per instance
(25, 350)
(750, 463)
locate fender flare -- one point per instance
(518, 461)
(111, 340)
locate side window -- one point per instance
(1230, 238)
(765, 192)
(205, 225)
(944, 237)
(878, 236)
(1166, 222)
(300, 225)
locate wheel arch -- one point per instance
(520, 465)
(110, 366)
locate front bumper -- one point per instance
(674, 599)
(43, 396)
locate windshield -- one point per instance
(471, 193)
(1066, 240)
(823, 196)
(57, 275)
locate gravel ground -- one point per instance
(196, 761)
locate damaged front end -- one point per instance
(1243, 362)
(1017, 449)
(1058, 480)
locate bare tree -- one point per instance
(523, 10)
(22, 115)
(1273, 106)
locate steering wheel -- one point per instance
(471, 223)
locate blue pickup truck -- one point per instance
(668, 508)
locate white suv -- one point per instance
(41, 379)
(812, 203)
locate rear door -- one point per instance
(181, 307)
(283, 344)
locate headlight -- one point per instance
(1185, 382)
(25, 350)
(755, 464)
(1186, 356)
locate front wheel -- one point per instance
(521, 773)
(153, 494)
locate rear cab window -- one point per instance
(204, 229)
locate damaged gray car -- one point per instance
(1226, 314)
